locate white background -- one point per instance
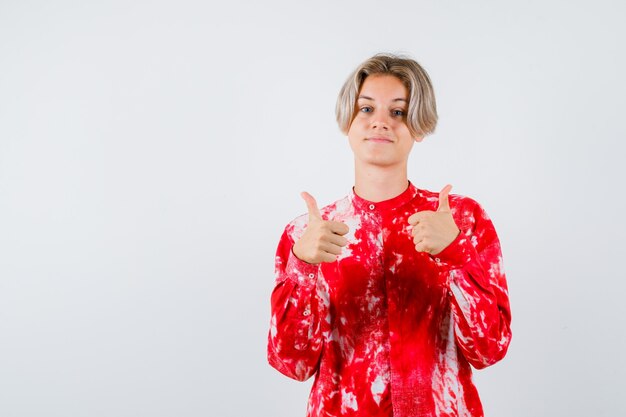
(152, 152)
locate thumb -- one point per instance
(444, 204)
(311, 204)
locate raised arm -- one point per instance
(295, 340)
(299, 302)
(478, 288)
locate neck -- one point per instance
(375, 183)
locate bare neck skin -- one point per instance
(376, 183)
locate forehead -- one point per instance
(383, 87)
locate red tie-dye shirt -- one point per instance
(386, 330)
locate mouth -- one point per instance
(379, 139)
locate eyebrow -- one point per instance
(369, 98)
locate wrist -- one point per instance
(295, 250)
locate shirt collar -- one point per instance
(393, 203)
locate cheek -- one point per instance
(352, 136)
(359, 120)
(356, 127)
(402, 131)
(350, 129)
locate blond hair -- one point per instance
(421, 116)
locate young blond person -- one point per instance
(390, 295)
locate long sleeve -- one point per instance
(387, 330)
(478, 289)
(297, 308)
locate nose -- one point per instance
(380, 122)
(380, 125)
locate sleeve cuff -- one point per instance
(456, 254)
(302, 272)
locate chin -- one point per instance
(380, 161)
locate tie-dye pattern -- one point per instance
(386, 330)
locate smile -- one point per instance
(379, 139)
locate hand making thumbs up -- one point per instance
(322, 240)
(433, 231)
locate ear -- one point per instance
(418, 138)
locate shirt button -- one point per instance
(306, 313)
(372, 207)
(437, 260)
(311, 275)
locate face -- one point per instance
(378, 134)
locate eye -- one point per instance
(366, 109)
(398, 113)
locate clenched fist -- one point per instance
(322, 240)
(433, 231)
